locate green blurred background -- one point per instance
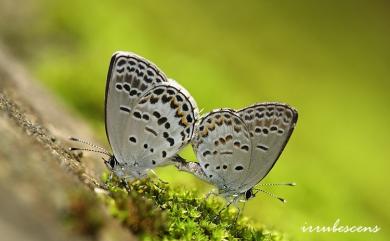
(329, 59)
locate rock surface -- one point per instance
(47, 193)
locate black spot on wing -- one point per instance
(145, 116)
(126, 86)
(262, 147)
(156, 114)
(189, 118)
(166, 99)
(158, 91)
(133, 92)
(245, 147)
(150, 130)
(133, 139)
(125, 109)
(206, 153)
(162, 120)
(179, 98)
(118, 86)
(121, 62)
(153, 100)
(137, 114)
(150, 73)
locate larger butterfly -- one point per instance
(237, 149)
(148, 117)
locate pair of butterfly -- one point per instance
(150, 118)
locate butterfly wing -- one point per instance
(129, 77)
(270, 126)
(160, 124)
(222, 145)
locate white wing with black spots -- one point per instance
(148, 117)
(129, 77)
(222, 145)
(270, 126)
(236, 149)
(161, 123)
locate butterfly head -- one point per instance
(124, 171)
(114, 166)
(111, 163)
(249, 194)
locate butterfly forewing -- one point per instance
(270, 126)
(129, 77)
(222, 144)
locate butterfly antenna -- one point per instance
(291, 184)
(271, 194)
(100, 149)
(86, 142)
(90, 150)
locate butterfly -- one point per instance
(148, 117)
(237, 149)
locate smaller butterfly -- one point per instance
(148, 117)
(237, 149)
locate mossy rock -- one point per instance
(156, 211)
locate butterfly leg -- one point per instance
(212, 192)
(158, 178)
(240, 210)
(105, 185)
(222, 209)
(125, 181)
(190, 167)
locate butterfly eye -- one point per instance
(248, 194)
(112, 162)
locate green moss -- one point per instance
(155, 211)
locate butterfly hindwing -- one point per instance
(270, 126)
(222, 145)
(161, 123)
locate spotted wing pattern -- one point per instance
(148, 117)
(159, 125)
(129, 77)
(236, 149)
(270, 126)
(223, 147)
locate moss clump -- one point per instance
(155, 211)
